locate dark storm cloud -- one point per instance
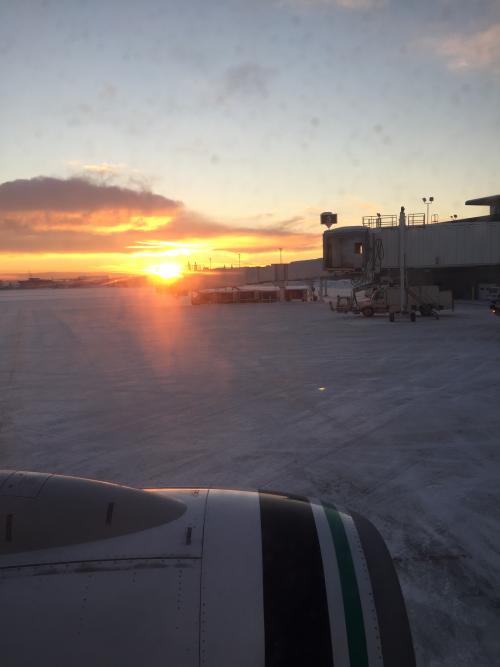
(78, 194)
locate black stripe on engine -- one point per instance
(394, 628)
(296, 621)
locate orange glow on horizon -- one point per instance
(165, 259)
(144, 262)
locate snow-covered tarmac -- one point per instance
(400, 422)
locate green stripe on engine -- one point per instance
(353, 612)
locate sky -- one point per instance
(136, 135)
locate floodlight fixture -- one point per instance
(427, 201)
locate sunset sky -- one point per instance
(135, 134)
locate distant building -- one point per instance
(460, 254)
(35, 283)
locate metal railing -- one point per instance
(415, 219)
(380, 220)
(412, 219)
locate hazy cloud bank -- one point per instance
(77, 215)
(78, 194)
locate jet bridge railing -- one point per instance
(377, 221)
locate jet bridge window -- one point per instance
(358, 248)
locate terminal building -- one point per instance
(462, 255)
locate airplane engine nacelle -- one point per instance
(93, 573)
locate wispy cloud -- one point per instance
(106, 172)
(471, 52)
(355, 5)
(104, 168)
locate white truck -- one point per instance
(425, 299)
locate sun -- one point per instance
(166, 270)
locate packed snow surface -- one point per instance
(398, 421)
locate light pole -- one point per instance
(239, 260)
(427, 201)
(402, 262)
(281, 272)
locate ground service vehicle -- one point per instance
(425, 299)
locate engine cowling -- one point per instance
(103, 574)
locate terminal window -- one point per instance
(358, 248)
